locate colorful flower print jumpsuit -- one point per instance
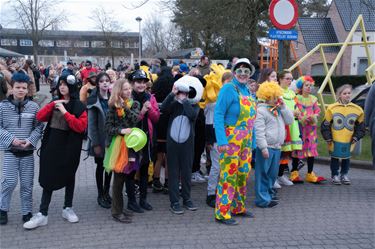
(235, 162)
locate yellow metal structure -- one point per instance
(370, 75)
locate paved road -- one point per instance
(308, 216)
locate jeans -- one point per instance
(213, 178)
(266, 171)
(335, 165)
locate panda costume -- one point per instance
(182, 113)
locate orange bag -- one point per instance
(122, 159)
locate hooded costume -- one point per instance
(180, 138)
(62, 141)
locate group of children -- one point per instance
(284, 124)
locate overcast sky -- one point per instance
(79, 11)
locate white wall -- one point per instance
(359, 52)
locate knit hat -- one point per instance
(21, 77)
(184, 68)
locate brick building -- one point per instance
(335, 27)
(58, 46)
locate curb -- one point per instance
(353, 163)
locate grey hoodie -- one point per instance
(270, 129)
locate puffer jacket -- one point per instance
(270, 129)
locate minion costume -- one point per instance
(234, 118)
(342, 127)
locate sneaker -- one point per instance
(69, 215)
(176, 208)
(336, 180)
(156, 186)
(36, 221)
(107, 198)
(246, 214)
(294, 177)
(3, 217)
(122, 218)
(283, 180)
(133, 206)
(197, 177)
(272, 204)
(228, 222)
(145, 205)
(189, 205)
(211, 200)
(27, 217)
(276, 185)
(345, 180)
(311, 177)
(275, 198)
(103, 202)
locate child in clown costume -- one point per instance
(308, 119)
(342, 127)
(292, 141)
(272, 116)
(234, 117)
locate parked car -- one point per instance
(359, 94)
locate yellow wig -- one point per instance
(269, 90)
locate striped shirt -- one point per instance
(22, 126)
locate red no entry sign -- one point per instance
(283, 13)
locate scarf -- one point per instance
(20, 106)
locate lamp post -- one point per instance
(139, 19)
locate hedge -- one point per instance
(354, 80)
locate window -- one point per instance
(63, 43)
(8, 42)
(98, 44)
(46, 43)
(367, 39)
(136, 44)
(126, 44)
(362, 66)
(116, 44)
(81, 44)
(318, 69)
(26, 43)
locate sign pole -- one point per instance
(281, 55)
(284, 16)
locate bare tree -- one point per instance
(105, 22)
(135, 5)
(36, 16)
(160, 37)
